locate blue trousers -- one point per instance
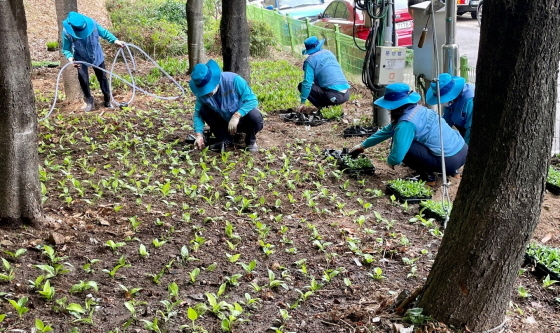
(250, 124)
(421, 159)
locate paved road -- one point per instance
(468, 33)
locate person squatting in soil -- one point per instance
(323, 82)
(80, 42)
(457, 97)
(415, 132)
(227, 104)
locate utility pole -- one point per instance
(383, 116)
(450, 49)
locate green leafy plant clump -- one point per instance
(553, 176)
(52, 45)
(410, 189)
(332, 112)
(261, 39)
(545, 255)
(357, 163)
(437, 207)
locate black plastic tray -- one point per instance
(553, 188)
(312, 119)
(338, 154)
(429, 214)
(539, 270)
(359, 131)
(413, 200)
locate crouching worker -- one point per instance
(323, 83)
(227, 104)
(456, 97)
(415, 133)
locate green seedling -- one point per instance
(88, 267)
(173, 290)
(37, 283)
(53, 270)
(130, 292)
(523, 292)
(233, 280)
(415, 317)
(114, 246)
(547, 282)
(152, 325)
(273, 283)
(120, 264)
(249, 301)
(19, 305)
(17, 254)
(377, 274)
(40, 326)
(248, 268)
(157, 243)
(142, 251)
(215, 306)
(84, 286)
(8, 272)
(51, 254)
(47, 292)
(194, 274)
(233, 257)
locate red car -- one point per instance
(342, 12)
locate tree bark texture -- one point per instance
(20, 195)
(234, 32)
(195, 30)
(72, 88)
(499, 199)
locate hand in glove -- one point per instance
(232, 126)
(300, 107)
(119, 43)
(72, 61)
(356, 150)
(199, 141)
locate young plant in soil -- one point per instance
(410, 189)
(357, 163)
(546, 255)
(436, 207)
(553, 176)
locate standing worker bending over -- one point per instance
(227, 104)
(323, 83)
(80, 41)
(457, 99)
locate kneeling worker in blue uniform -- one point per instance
(415, 133)
(323, 83)
(457, 98)
(227, 104)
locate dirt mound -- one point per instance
(42, 25)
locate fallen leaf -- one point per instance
(530, 320)
(546, 238)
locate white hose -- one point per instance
(111, 74)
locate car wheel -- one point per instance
(479, 14)
(474, 15)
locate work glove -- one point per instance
(199, 141)
(232, 126)
(356, 150)
(300, 107)
(71, 60)
(119, 43)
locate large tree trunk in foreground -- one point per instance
(499, 200)
(20, 195)
(72, 88)
(235, 38)
(195, 29)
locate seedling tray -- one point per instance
(339, 154)
(313, 119)
(554, 189)
(397, 194)
(539, 270)
(359, 131)
(430, 214)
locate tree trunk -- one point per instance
(499, 200)
(234, 32)
(72, 88)
(20, 195)
(195, 29)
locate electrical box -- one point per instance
(424, 57)
(389, 64)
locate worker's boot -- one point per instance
(89, 104)
(107, 102)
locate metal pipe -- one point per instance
(450, 49)
(383, 116)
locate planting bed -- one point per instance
(359, 131)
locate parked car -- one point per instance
(479, 13)
(466, 6)
(298, 9)
(342, 12)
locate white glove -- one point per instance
(199, 141)
(356, 150)
(300, 107)
(232, 126)
(119, 43)
(71, 60)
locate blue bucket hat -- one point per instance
(397, 95)
(312, 45)
(78, 26)
(204, 78)
(449, 88)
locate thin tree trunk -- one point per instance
(234, 32)
(20, 195)
(499, 200)
(195, 29)
(72, 88)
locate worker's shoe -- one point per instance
(108, 105)
(429, 178)
(90, 105)
(252, 148)
(222, 146)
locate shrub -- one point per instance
(261, 39)
(154, 26)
